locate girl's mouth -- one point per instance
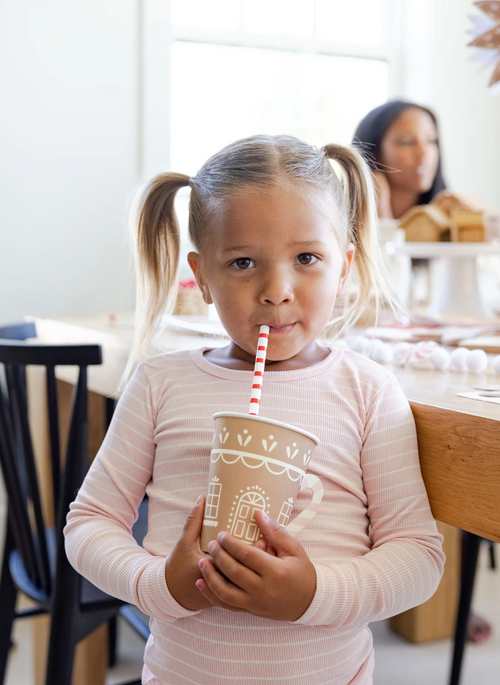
(282, 328)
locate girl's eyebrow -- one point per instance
(309, 242)
(304, 243)
(235, 249)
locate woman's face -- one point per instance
(410, 145)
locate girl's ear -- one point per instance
(195, 264)
(348, 257)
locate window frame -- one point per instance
(156, 35)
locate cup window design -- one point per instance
(213, 500)
(286, 509)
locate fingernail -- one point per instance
(198, 584)
(211, 546)
(201, 563)
(199, 499)
(265, 516)
(221, 537)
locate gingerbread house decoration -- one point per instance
(425, 223)
(450, 203)
(468, 227)
(468, 217)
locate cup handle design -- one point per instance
(300, 521)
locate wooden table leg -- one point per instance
(435, 619)
(91, 659)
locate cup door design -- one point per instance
(243, 524)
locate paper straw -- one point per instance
(258, 372)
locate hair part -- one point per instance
(263, 163)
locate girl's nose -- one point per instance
(276, 289)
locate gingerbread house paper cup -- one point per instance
(257, 463)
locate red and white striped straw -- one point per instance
(258, 372)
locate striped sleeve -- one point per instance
(98, 537)
(405, 562)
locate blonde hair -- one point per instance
(257, 162)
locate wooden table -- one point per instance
(459, 446)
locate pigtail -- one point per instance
(375, 287)
(156, 238)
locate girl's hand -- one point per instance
(182, 569)
(277, 587)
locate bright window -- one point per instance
(309, 68)
(241, 91)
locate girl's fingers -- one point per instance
(250, 556)
(233, 570)
(209, 595)
(223, 590)
(194, 522)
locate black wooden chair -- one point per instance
(34, 557)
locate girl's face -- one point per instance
(273, 258)
(410, 145)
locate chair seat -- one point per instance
(89, 593)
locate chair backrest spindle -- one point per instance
(55, 445)
(17, 457)
(28, 456)
(19, 515)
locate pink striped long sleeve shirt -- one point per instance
(374, 542)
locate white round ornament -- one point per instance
(477, 361)
(495, 365)
(360, 344)
(440, 359)
(376, 350)
(387, 353)
(459, 358)
(401, 351)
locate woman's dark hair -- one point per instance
(372, 129)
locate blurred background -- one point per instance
(98, 94)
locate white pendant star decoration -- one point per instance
(486, 34)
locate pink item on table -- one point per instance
(188, 283)
(415, 353)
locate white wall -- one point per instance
(68, 141)
(439, 72)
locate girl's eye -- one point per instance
(305, 259)
(242, 264)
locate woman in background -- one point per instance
(400, 142)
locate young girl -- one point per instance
(275, 233)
